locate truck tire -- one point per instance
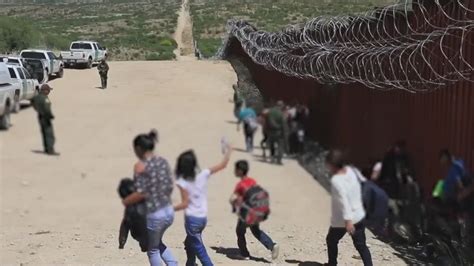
(16, 107)
(45, 76)
(61, 72)
(89, 63)
(5, 118)
(16, 102)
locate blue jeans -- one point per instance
(193, 243)
(157, 223)
(259, 235)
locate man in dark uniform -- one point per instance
(42, 105)
(276, 132)
(103, 68)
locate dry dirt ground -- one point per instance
(65, 210)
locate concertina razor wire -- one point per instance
(416, 48)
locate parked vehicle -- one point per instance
(51, 64)
(9, 95)
(13, 61)
(34, 67)
(83, 53)
(29, 86)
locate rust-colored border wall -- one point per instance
(368, 121)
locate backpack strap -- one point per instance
(358, 174)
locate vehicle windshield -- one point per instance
(13, 61)
(78, 45)
(33, 55)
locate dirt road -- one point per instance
(65, 210)
(184, 34)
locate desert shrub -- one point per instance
(209, 46)
(160, 56)
(16, 34)
(167, 42)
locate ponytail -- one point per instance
(146, 142)
(153, 135)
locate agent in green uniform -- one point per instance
(275, 125)
(42, 105)
(103, 68)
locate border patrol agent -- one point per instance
(42, 105)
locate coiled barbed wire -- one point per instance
(417, 48)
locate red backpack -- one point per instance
(255, 207)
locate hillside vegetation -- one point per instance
(210, 16)
(135, 30)
(143, 29)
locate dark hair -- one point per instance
(146, 142)
(336, 158)
(445, 153)
(242, 166)
(186, 165)
(126, 187)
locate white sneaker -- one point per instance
(275, 252)
(240, 257)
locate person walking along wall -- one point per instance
(347, 208)
(276, 132)
(154, 185)
(42, 105)
(248, 116)
(237, 100)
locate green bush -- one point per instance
(209, 46)
(168, 42)
(53, 41)
(167, 55)
(16, 34)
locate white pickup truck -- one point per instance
(52, 65)
(9, 95)
(29, 86)
(34, 68)
(84, 53)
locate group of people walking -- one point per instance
(154, 179)
(283, 127)
(283, 132)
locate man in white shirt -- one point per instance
(347, 208)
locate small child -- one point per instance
(134, 219)
(193, 188)
(245, 183)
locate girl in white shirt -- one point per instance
(193, 189)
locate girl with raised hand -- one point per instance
(192, 184)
